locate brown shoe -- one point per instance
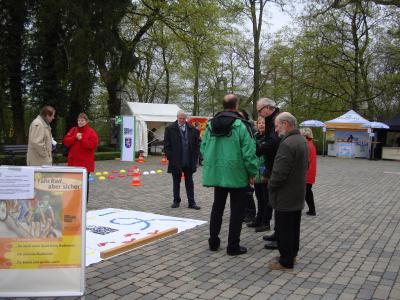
(276, 258)
(277, 266)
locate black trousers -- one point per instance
(250, 210)
(237, 196)
(188, 185)
(310, 198)
(264, 209)
(287, 230)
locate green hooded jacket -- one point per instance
(229, 158)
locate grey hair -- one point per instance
(288, 117)
(307, 132)
(181, 113)
(267, 101)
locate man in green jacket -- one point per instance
(229, 165)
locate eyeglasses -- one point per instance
(262, 108)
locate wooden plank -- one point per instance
(139, 242)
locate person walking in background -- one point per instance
(287, 188)
(40, 138)
(264, 211)
(82, 142)
(311, 172)
(230, 165)
(181, 146)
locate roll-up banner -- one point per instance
(42, 239)
(128, 138)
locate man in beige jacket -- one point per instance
(40, 138)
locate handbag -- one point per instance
(65, 151)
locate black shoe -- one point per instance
(239, 251)
(310, 213)
(253, 224)
(175, 205)
(271, 246)
(248, 219)
(269, 238)
(263, 228)
(214, 246)
(194, 206)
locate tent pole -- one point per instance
(323, 143)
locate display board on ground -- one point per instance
(110, 228)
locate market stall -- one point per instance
(391, 140)
(347, 136)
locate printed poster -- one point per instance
(42, 235)
(128, 139)
(110, 227)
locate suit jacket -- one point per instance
(173, 147)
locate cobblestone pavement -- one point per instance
(350, 250)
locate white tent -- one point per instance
(349, 120)
(148, 116)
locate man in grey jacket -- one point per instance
(287, 189)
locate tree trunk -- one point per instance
(18, 13)
(196, 100)
(356, 70)
(167, 78)
(114, 103)
(257, 24)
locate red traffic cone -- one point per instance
(136, 179)
(164, 160)
(140, 158)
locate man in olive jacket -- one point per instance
(40, 139)
(287, 189)
(229, 165)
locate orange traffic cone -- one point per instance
(140, 158)
(136, 179)
(183, 176)
(164, 160)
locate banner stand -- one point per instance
(42, 238)
(128, 138)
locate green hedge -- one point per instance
(20, 160)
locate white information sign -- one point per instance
(42, 238)
(128, 138)
(16, 183)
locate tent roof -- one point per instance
(351, 119)
(154, 112)
(394, 123)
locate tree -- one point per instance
(113, 52)
(16, 13)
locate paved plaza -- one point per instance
(350, 250)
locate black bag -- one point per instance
(65, 151)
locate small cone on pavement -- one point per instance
(183, 176)
(136, 180)
(164, 160)
(140, 158)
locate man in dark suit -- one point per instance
(181, 145)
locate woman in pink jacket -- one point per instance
(311, 172)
